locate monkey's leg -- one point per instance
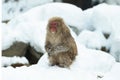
(64, 60)
(52, 60)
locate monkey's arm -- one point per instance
(61, 48)
(52, 49)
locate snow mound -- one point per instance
(44, 12)
(7, 61)
(12, 8)
(87, 66)
(92, 39)
(102, 17)
(7, 37)
(114, 45)
(87, 60)
(113, 74)
(106, 17)
(94, 61)
(30, 27)
(41, 73)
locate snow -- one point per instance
(80, 69)
(49, 10)
(105, 18)
(112, 2)
(115, 2)
(30, 27)
(106, 14)
(12, 8)
(114, 73)
(7, 37)
(37, 18)
(53, 73)
(97, 42)
(94, 61)
(114, 43)
(7, 61)
(99, 62)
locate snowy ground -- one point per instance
(90, 64)
(12, 8)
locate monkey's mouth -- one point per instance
(53, 29)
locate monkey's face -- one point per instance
(54, 26)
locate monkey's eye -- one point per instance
(55, 24)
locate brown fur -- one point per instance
(60, 45)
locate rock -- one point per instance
(19, 65)
(17, 49)
(22, 49)
(32, 55)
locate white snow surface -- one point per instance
(112, 2)
(13, 8)
(30, 27)
(92, 39)
(7, 37)
(7, 61)
(114, 73)
(44, 12)
(85, 67)
(104, 17)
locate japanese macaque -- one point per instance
(60, 45)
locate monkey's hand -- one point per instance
(48, 48)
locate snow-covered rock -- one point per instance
(113, 44)
(7, 37)
(30, 27)
(44, 12)
(13, 8)
(87, 60)
(7, 61)
(115, 2)
(104, 17)
(92, 39)
(112, 2)
(93, 61)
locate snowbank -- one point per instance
(38, 73)
(87, 60)
(104, 17)
(7, 36)
(92, 39)
(7, 61)
(88, 65)
(44, 12)
(114, 73)
(30, 27)
(114, 45)
(13, 8)
(113, 2)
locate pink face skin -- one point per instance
(53, 26)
